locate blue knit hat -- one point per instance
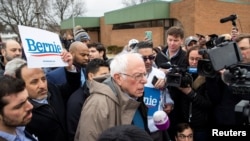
(81, 35)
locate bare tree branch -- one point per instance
(40, 13)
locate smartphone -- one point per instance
(148, 35)
(155, 79)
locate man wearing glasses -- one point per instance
(118, 100)
(184, 132)
(155, 90)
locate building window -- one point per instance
(143, 24)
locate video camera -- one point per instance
(221, 52)
(178, 77)
(225, 54)
(238, 78)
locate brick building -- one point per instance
(195, 16)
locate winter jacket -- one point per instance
(107, 106)
(48, 122)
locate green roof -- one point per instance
(237, 1)
(86, 22)
(142, 12)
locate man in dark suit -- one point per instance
(49, 114)
(80, 53)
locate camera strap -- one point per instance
(190, 112)
(198, 82)
(162, 53)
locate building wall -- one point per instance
(203, 16)
(196, 16)
(94, 36)
(121, 37)
(105, 34)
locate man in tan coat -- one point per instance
(118, 100)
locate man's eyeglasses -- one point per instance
(182, 136)
(136, 76)
(150, 57)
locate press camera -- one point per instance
(237, 75)
(177, 76)
(223, 55)
(226, 55)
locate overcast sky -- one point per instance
(97, 8)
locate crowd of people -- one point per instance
(96, 98)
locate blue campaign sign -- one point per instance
(152, 99)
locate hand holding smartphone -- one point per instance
(148, 35)
(154, 80)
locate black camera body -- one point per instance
(226, 55)
(238, 78)
(223, 55)
(179, 77)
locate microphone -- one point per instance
(229, 18)
(161, 120)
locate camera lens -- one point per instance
(207, 68)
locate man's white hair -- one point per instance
(121, 61)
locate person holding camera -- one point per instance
(195, 105)
(225, 95)
(173, 55)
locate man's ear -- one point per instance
(118, 79)
(90, 76)
(101, 53)
(2, 51)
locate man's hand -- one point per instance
(186, 90)
(166, 71)
(67, 57)
(160, 83)
(168, 108)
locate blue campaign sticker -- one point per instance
(151, 99)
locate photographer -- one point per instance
(174, 55)
(224, 55)
(194, 102)
(232, 89)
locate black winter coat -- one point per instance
(49, 120)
